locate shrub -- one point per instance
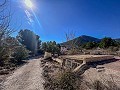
(68, 80)
(4, 56)
(20, 53)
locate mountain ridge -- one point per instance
(84, 39)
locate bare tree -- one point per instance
(71, 40)
(5, 18)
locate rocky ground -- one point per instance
(31, 76)
(106, 73)
(27, 77)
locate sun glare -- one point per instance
(28, 3)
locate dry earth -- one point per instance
(111, 71)
(27, 77)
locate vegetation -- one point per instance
(11, 52)
(4, 56)
(61, 80)
(79, 40)
(107, 42)
(20, 53)
(69, 81)
(14, 50)
(30, 40)
(52, 47)
(90, 45)
(87, 42)
(57, 78)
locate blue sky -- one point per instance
(50, 19)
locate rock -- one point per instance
(47, 55)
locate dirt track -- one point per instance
(27, 77)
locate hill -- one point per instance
(82, 40)
(118, 40)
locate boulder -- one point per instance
(47, 55)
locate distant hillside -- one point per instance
(82, 40)
(118, 40)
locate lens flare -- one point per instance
(28, 3)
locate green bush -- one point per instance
(51, 47)
(65, 81)
(20, 53)
(4, 56)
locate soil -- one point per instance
(27, 77)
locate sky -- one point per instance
(51, 19)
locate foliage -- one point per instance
(52, 47)
(11, 51)
(6, 49)
(113, 49)
(73, 51)
(30, 40)
(66, 80)
(91, 45)
(20, 53)
(104, 43)
(107, 42)
(4, 56)
(69, 81)
(5, 21)
(8, 45)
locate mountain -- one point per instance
(118, 40)
(82, 40)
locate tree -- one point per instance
(71, 42)
(107, 42)
(12, 51)
(5, 19)
(30, 40)
(4, 55)
(90, 45)
(20, 53)
(70, 38)
(5, 31)
(52, 47)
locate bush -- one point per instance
(113, 49)
(73, 51)
(67, 81)
(20, 53)
(97, 85)
(4, 56)
(107, 42)
(63, 81)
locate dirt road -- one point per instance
(27, 77)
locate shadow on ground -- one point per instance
(95, 64)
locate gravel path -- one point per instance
(28, 77)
